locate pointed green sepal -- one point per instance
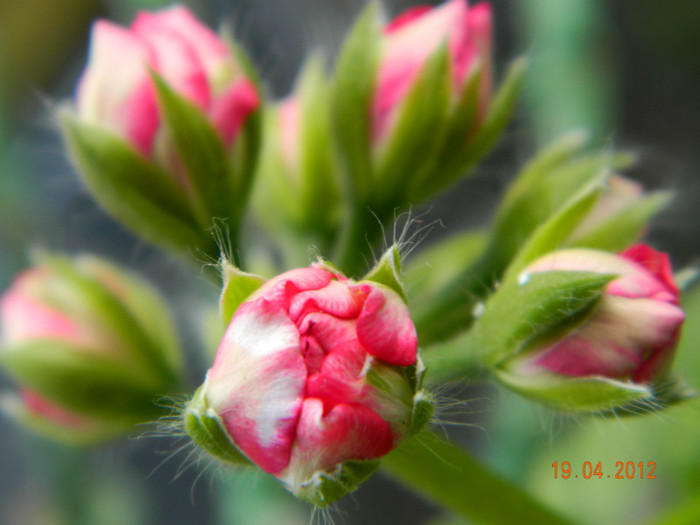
(387, 271)
(413, 139)
(423, 410)
(552, 234)
(238, 286)
(202, 152)
(83, 380)
(140, 195)
(579, 394)
(326, 487)
(355, 73)
(206, 429)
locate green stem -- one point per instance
(355, 249)
(454, 359)
(447, 475)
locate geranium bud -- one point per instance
(316, 378)
(89, 345)
(624, 346)
(165, 128)
(411, 38)
(116, 90)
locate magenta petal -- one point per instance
(655, 262)
(385, 328)
(257, 382)
(209, 48)
(175, 59)
(348, 432)
(281, 289)
(336, 299)
(230, 110)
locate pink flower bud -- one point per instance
(89, 346)
(312, 372)
(117, 92)
(631, 334)
(412, 37)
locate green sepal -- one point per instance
(326, 487)
(206, 429)
(238, 286)
(83, 380)
(495, 121)
(145, 199)
(144, 305)
(579, 394)
(355, 73)
(454, 138)
(625, 227)
(423, 410)
(553, 233)
(539, 308)
(414, 137)
(202, 152)
(91, 431)
(77, 293)
(387, 271)
(320, 184)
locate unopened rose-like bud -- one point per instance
(90, 346)
(165, 131)
(117, 92)
(410, 40)
(316, 378)
(622, 348)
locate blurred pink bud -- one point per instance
(412, 37)
(633, 331)
(116, 90)
(26, 316)
(312, 373)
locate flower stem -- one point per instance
(448, 475)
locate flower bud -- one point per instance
(616, 353)
(165, 128)
(116, 90)
(316, 378)
(90, 347)
(409, 41)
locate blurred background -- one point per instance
(628, 72)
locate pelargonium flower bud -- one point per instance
(116, 90)
(90, 347)
(316, 378)
(296, 170)
(621, 348)
(165, 128)
(409, 41)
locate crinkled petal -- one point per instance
(256, 384)
(348, 432)
(281, 289)
(337, 299)
(385, 329)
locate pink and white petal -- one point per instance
(25, 319)
(174, 59)
(281, 289)
(616, 342)
(257, 382)
(230, 110)
(117, 68)
(289, 131)
(385, 328)
(210, 49)
(658, 263)
(336, 299)
(347, 432)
